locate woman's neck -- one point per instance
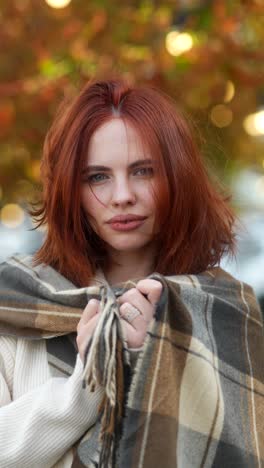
(129, 265)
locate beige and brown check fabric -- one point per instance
(196, 396)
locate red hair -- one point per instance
(194, 218)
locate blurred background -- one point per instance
(207, 54)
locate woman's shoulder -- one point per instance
(215, 277)
(220, 285)
(19, 264)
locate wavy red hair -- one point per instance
(194, 218)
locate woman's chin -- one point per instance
(126, 246)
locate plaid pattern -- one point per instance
(61, 355)
(196, 397)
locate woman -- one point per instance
(166, 340)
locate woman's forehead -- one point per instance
(116, 130)
(114, 140)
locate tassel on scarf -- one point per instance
(104, 365)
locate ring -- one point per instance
(130, 313)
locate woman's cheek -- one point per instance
(100, 196)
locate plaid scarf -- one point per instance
(196, 396)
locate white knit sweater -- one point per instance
(41, 416)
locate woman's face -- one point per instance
(117, 181)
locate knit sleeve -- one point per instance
(38, 428)
(7, 361)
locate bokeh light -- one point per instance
(58, 3)
(254, 123)
(259, 122)
(221, 115)
(35, 169)
(230, 91)
(177, 43)
(12, 215)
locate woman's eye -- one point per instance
(96, 178)
(145, 171)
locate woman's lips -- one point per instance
(126, 226)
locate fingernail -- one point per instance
(92, 301)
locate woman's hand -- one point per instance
(136, 330)
(87, 325)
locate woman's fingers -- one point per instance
(152, 289)
(134, 330)
(134, 297)
(90, 310)
(139, 322)
(87, 325)
(136, 325)
(85, 333)
(134, 337)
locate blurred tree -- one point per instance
(212, 66)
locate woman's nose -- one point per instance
(123, 193)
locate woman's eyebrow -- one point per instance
(139, 162)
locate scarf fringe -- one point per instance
(104, 361)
